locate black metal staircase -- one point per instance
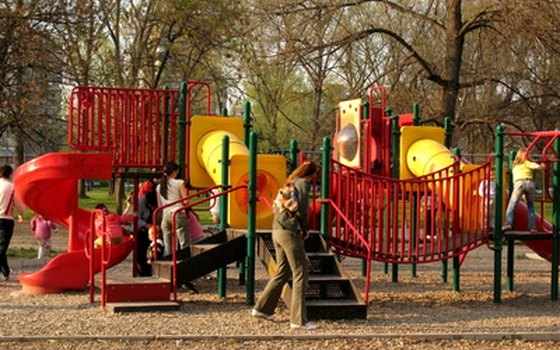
(330, 294)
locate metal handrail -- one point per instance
(174, 229)
(160, 208)
(362, 239)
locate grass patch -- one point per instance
(96, 196)
(28, 253)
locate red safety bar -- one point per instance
(138, 126)
(421, 220)
(174, 227)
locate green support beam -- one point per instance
(222, 272)
(498, 234)
(251, 220)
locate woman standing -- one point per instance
(171, 189)
(7, 202)
(289, 229)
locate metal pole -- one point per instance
(510, 253)
(294, 152)
(456, 189)
(223, 225)
(498, 234)
(395, 156)
(555, 225)
(246, 122)
(415, 114)
(182, 124)
(325, 185)
(251, 220)
(448, 129)
(367, 163)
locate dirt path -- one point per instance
(415, 313)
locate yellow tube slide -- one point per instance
(206, 137)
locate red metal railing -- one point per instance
(139, 126)
(156, 212)
(410, 221)
(89, 250)
(362, 241)
(542, 143)
(174, 226)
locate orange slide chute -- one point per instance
(48, 185)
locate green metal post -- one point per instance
(365, 114)
(510, 253)
(222, 272)
(415, 122)
(224, 112)
(448, 128)
(182, 124)
(448, 141)
(498, 234)
(294, 152)
(395, 156)
(555, 225)
(415, 114)
(365, 110)
(246, 122)
(325, 185)
(456, 263)
(251, 219)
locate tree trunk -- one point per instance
(453, 58)
(19, 150)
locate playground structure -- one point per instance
(394, 192)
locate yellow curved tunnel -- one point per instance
(207, 134)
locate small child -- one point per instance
(286, 200)
(113, 225)
(523, 184)
(158, 246)
(42, 227)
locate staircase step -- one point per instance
(328, 288)
(137, 289)
(322, 263)
(213, 254)
(336, 309)
(143, 306)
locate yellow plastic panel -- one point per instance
(271, 174)
(349, 136)
(201, 127)
(422, 150)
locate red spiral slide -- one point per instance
(48, 185)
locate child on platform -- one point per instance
(113, 225)
(523, 184)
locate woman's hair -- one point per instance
(170, 168)
(6, 171)
(520, 157)
(306, 169)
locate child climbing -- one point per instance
(523, 184)
(42, 230)
(113, 225)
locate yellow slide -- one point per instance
(205, 154)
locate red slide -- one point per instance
(521, 223)
(48, 185)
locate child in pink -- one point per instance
(113, 225)
(42, 231)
